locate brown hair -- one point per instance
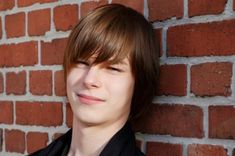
(113, 32)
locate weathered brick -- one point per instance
(23, 3)
(5, 5)
(204, 7)
(211, 79)
(13, 55)
(36, 141)
(221, 122)
(69, 115)
(138, 5)
(40, 82)
(164, 9)
(206, 150)
(6, 111)
(60, 89)
(39, 113)
(1, 83)
(172, 80)
(175, 120)
(53, 52)
(90, 5)
(1, 139)
(65, 17)
(203, 39)
(16, 83)
(11, 22)
(164, 149)
(15, 141)
(39, 22)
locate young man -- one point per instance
(111, 70)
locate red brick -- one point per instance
(23, 3)
(173, 80)
(13, 55)
(204, 7)
(53, 52)
(91, 5)
(6, 111)
(60, 89)
(206, 150)
(1, 83)
(56, 136)
(211, 79)
(221, 122)
(15, 141)
(138, 5)
(175, 120)
(40, 82)
(202, 39)
(158, 36)
(164, 9)
(39, 113)
(164, 149)
(16, 83)
(69, 115)
(11, 22)
(39, 22)
(5, 5)
(36, 141)
(234, 152)
(1, 139)
(233, 4)
(0, 28)
(65, 17)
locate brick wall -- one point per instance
(193, 113)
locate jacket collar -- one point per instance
(122, 143)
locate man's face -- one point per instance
(102, 93)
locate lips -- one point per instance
(86, 99)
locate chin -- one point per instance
(88, 120)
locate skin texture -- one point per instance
(100, 97)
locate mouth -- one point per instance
(89, 100)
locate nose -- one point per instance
(91, 78)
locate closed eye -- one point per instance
(114, 69)
(83, 63)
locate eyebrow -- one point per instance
(110, 62)
(122, 62)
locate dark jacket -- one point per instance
(121, 144)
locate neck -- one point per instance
(90, 140)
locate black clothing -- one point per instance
(121, 144)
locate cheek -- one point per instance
(72, 83)
(122, 88)
(73, 77)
